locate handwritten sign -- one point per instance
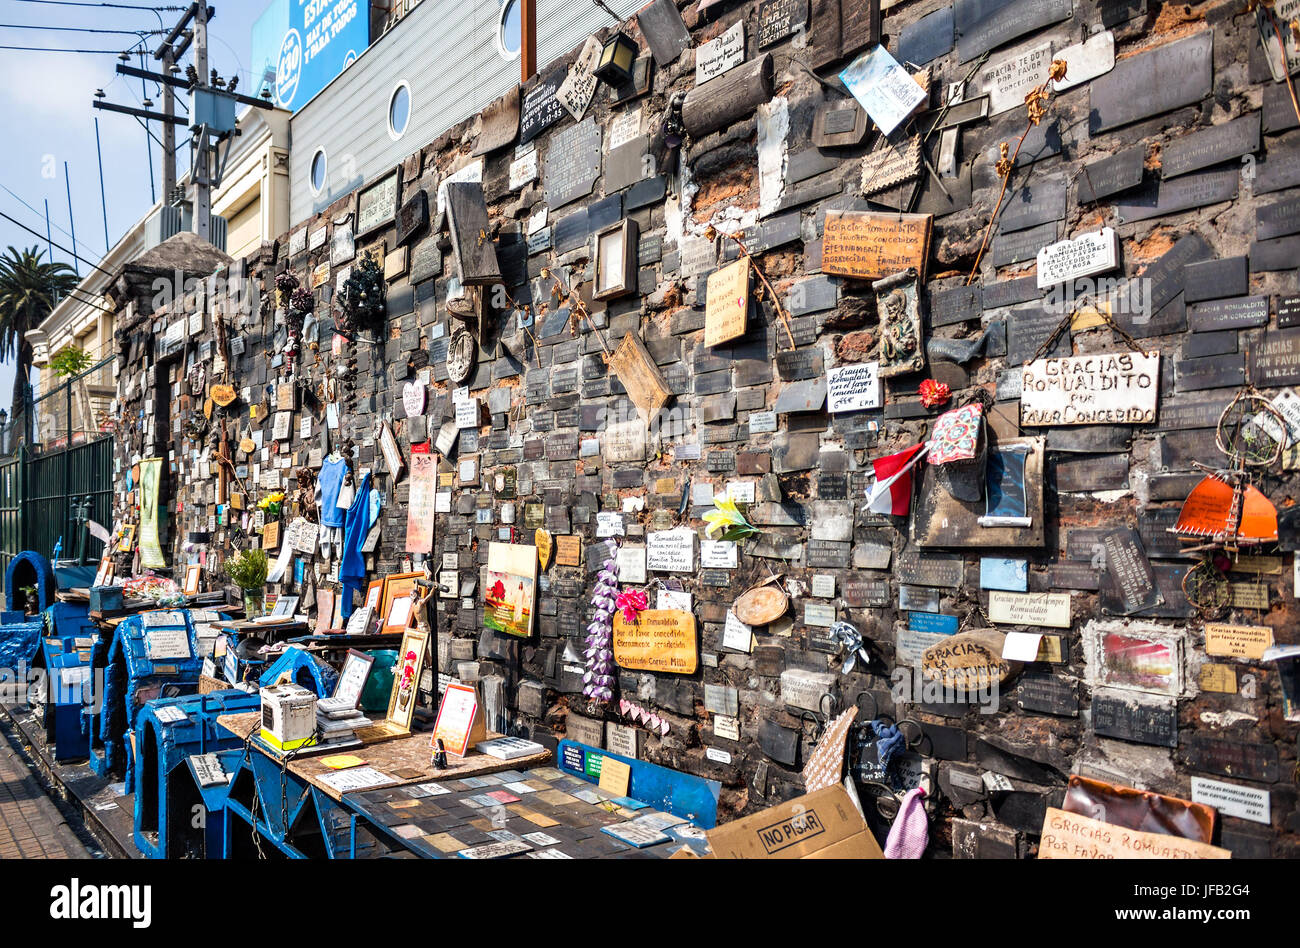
(1072, 836)
(660, 640)
(1116, 388)
(671, 551)
(967, 660)
(579, 85)
(719, 55)
(853, 387)
(868, 245)
(727, 302)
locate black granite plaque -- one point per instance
(541, 108)
(1288, 311)
(1009, 22)
(1239, 313)
(1111, 175)
(1159, 80)
(927, 38)
(1275, 360)
(1048, 693)
(1127, 584)
(1037, 200)
(795, 364)
(1159, 198)
(1215, 279)
(954, 305)
(1211, 146)
(1277, 219)
(1244, 760)
(929, 569)
(1141, 722)
(1009, 292)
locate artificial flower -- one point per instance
(630, 602)
(934, 394)
(727, 519)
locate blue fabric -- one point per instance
(332, 473)
(352, 568)
(890, 743)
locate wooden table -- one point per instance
(386, 752)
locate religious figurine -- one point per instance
(901, 350)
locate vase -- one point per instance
(254, 603)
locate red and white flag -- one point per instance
(892, 491)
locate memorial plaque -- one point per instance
(868, 245)
(1180, 194)
(1010, 22)
(1089, 440)
(928, 38)
(930, 569)
(500, 123)
(1215, 279)
(1111, 175)
(1275, 360)
(1278, 254)
(1139, 721)
(467, 220)
(1239, 313)
(1083, 256)
(1127, 584)
(864, 593)
(827, 554)
(1280, 168)
(721, 54)
(1165, 276)
(572, 163)
(1085, 61)
(1066, 575)
(664, 31)
(1158, 80)
(1009, 292)
(377, 204)
(541, 108)
(1047, 693)
(1028, 328)
(779, 19)
(1288, 311)
(953, 305)
(1106, 472)
(839, 124)
(1043, 610)
(1019, 246)
(1036, 200)
(1278, 219)
(889, 165)
(1104, 388)
(1006, 83)
(1233, 758)
(1211, 146)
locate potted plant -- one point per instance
(247, 570)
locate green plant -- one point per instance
(70, 361)
(29, 290)
(248, 569)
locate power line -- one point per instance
(59, 49)
(77, 29)
(118, 6)
(60, 246)
(57, 227)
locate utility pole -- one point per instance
(201, 165)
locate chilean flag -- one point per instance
(892, 491)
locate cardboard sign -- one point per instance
(868, 245)
(460, 720)
(821, 825)
(615, 776)
(660, 640)
(1116, 388)
(728, 303)
(1072, 836)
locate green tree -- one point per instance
(29, 290)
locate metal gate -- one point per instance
(47, 496)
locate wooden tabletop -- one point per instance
(408, 753)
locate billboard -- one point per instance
(299, 46)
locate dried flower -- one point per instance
(1057, 70)
(1004, 160)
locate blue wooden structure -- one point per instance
(20, 633)
(165, 791)
(675, 792)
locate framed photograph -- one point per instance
(510, 588)
(616, 262)
(1135, 656)
(396, 586)
(285, 606)
(374, 594)
(128, 539)
(406, 678)
(193, 573)
(398, 616)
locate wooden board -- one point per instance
(869, 245)
(475, 251)
(634, 368)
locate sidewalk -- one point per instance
(31, 826)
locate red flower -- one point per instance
(934, 393)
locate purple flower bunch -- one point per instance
(598, 681)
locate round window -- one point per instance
(508, 28)
(399, 110)
(318, 171)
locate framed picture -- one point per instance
(395, 587)
(1135, 656)
(510, 588)
(359, 621)
(616, 260)
(104, 575)
(285, 606)
(398, 616)
(193, 573)
(406, 678)
(374, 594)
(128, 539)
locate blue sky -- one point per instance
(45, 98)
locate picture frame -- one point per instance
(285, 606)
(1136, 656)
(406, 678)
(193, 575)
(460, 723)
(401, 610)
(128, 539)
(396, 586)
(104, 575)
(360, 620)
(616, 262)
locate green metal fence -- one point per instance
(48, 496)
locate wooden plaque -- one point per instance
(868, 245)
(761, 605)
(660, 640)
(645, 385)
(728, 303)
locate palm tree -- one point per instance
(29, 290)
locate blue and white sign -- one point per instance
(306, 43)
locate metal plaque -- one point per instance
(1215, 279)
(1158, 80)
(1010, 22)
(1181, 194)
(1139, 720)
(1211, 146)
(1111, 175)
(1238, 313)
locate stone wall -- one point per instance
(739, 414)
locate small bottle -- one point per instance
(439, 755)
